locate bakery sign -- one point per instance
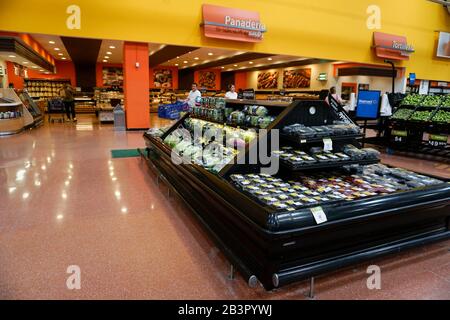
(232, 24)
(388, 46)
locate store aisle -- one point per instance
(64, 202)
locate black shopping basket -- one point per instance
(55, 110)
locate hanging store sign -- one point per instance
(388, 46)
(232, 24)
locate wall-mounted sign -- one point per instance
(323, 76)
(162, 78)
(232, 24)
(112, 76)
(267, 80)
(443, 50)
(388, 46)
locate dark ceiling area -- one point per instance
(234, 59)
(84, 53)
(168, 53)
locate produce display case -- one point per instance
(32, 108)
(296, 222)
(421, 123)
(12, 118)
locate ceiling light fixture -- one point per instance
(106, 57)
(60, 54)
(270, 59)
(41, 70)
(112, 47)
(251, 62)
(235, 65)
(51, 42)
(12, 56)
(25, 62)
(57, 49)
(185, 61)
(176, 64)
(34, 67)
(105, 60)
(63, 58)
(210, 53)
(196, 58)
(109, 52)
(223, 67)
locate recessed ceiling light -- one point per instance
(196, 58)
(270, 59)
(235, 65)
(57, 49)
(109, 52)
(12, 56)
(34, 67)
(210, 53)
(60, 54)
(105, 60)
(112, 47)
(63, 58)
(51, 42)
(25, 62)
(176, 64)
(106, 57)
(178, 57)
(185, 61)
(223, 67)
(251, 62)
(41, 70)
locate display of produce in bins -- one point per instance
(442, 116)
(402, 114)
(413, 99)
(279, 224)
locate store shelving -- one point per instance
(45, 88)
(11, 112)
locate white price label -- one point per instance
(327, 144)
(319, 215)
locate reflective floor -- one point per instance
(65, 202)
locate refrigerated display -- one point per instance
(330, 204)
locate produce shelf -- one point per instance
(325, 165)
(300, 141)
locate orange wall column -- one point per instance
(136, 84)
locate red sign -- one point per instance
(232, 24)
(388, 46)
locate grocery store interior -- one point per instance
(364, 156)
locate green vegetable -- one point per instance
(412, 100)
(421, 115)
(402, 114)
(446, 101)
(442, 116)
(431, 101)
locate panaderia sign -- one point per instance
(232, 24)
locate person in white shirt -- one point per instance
(336, 96)
(193, 94)
(231, 93)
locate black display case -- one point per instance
(279, 247)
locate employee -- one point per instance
(193, 94)
(231, 93)
(336, 96)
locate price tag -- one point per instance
(319, 215)
(327, 144)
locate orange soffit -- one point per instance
(232, 24)
(388, 46)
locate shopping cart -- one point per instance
(56, 110)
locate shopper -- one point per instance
(193, 95)
(69, 102)
(336, 96)
(231, 93)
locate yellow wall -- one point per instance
(328, 29)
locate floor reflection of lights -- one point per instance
(84, 127)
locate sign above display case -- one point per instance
(388, 46)
(232, 24)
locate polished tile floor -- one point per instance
(65, 202)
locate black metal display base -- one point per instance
(280, 248)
